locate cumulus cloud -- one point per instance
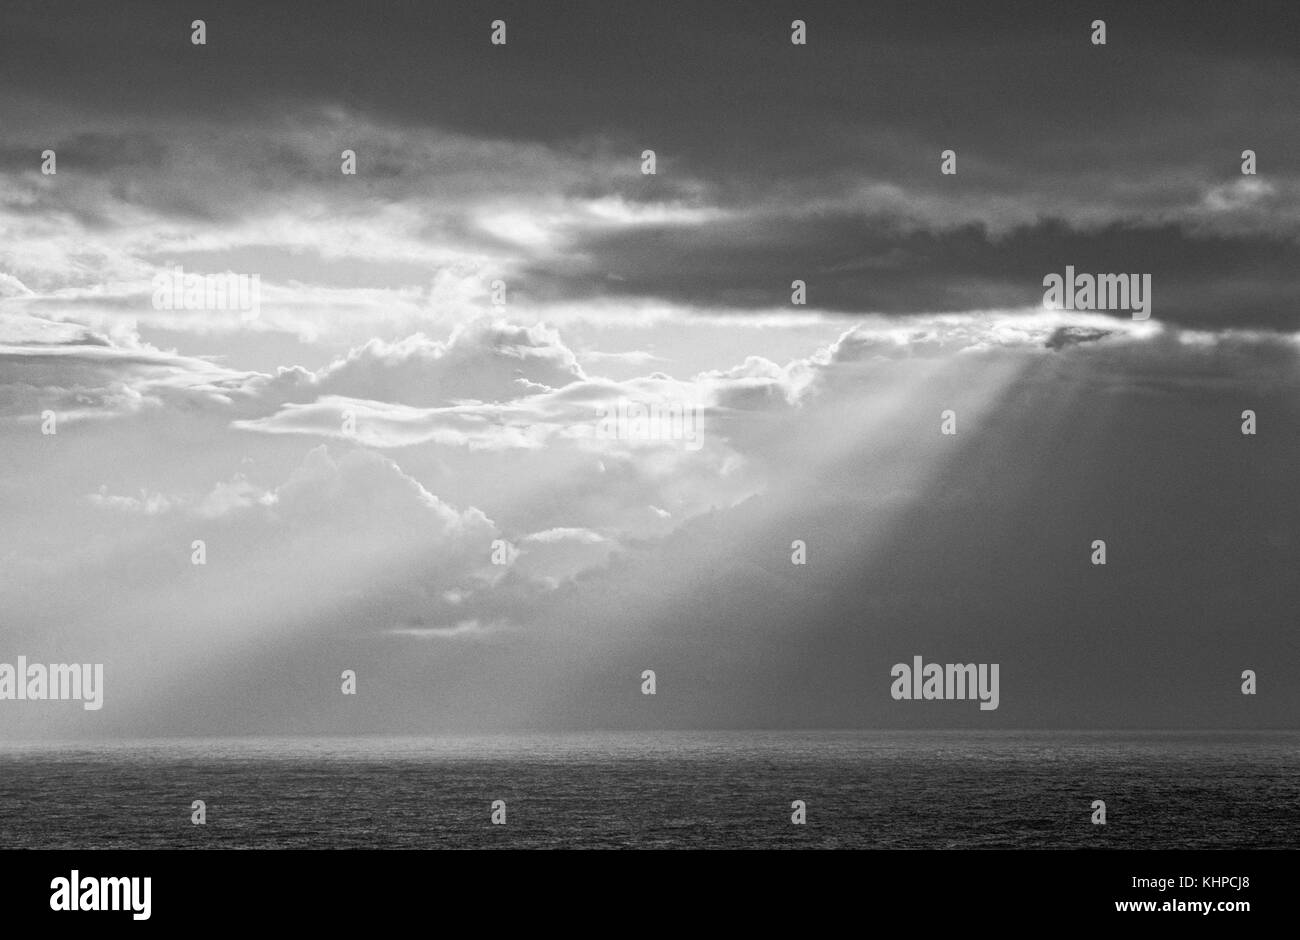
(484, 360)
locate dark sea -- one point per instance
(958, 790)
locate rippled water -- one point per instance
(734, 790)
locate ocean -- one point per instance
(891, 790)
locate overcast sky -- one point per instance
(332, 549)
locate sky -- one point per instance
(350, 452)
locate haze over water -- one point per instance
(662, 789)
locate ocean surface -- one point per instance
(956, 790)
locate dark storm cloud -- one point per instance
(855, 263)
(1068, 153)
(721, 71)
